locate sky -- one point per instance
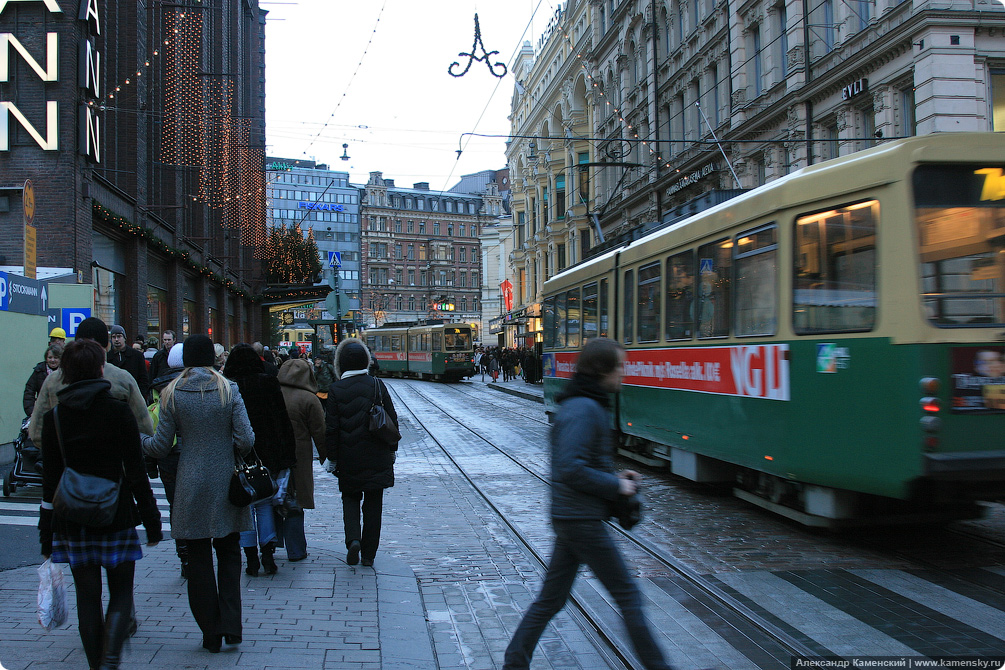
(336, 74)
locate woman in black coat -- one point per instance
(99, 437)
(49, 365)
(275, 444)
(364, 465)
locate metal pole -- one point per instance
(724, 156)
(338, 308)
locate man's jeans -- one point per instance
(578, 542)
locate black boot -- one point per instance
(181, 547)
(116, 632)
(253, 564)
(268, 562)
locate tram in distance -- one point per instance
(832, 342)
(442, 351)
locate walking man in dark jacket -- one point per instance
(124, 356)
(583, 485)
(159, 363)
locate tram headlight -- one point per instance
(930, 385)
(931, 424)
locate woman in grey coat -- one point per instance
(205, 411)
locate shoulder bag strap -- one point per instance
(377, 395)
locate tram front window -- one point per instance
(458, 340)
(960, 213)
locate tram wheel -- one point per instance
(8, 486)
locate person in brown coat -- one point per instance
(308, 417)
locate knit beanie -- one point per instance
(174, 356)
(353, 357)
(198, 352)
(93, 328)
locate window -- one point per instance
(421, 204)
(422, 227)
(422, 252)
(450, 230)
(680, 296)
(584, 177)
(411, 303)
(959, 213)
(560, 318)
(560, 256)
(398, 302)
(560, 196)
(409, 203)
(783, 39)
(411, 252)
(548, 321)
(450, 206)
(436, 228)
(411, 277)
(397, 251)
(714, 261)
(584, 243)
(434, 205)
(754, 58)
(603, 308)
(589, 311)
(422, 278)
(649, 302)
(908, 120)
(544, 206)
(462, 254)
(397, 225)
(411, 226)
(397, 276)
(756, 282)
(629, 315)
(463, 279)
(573, 321)
(835, 270)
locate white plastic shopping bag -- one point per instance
(51, 596)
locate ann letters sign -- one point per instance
(43, 67)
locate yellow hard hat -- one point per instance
(58, 332)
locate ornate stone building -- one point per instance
(676, 105)
(420, 251)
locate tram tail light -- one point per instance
(930, 385)
(931, 404)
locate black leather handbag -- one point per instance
(251, 482)
(382, 425)
(89, 500)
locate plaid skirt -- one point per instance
(92, 548)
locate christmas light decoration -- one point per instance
(472, 57)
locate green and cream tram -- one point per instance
(833, 341)
(442, 351)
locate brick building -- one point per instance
(420, 248)
(141, 126)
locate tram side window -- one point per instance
(714, 267)
(680, 296)
(437, 341)
(560, 317)
(425, 341)
(573, 316)
(835, 270)
(649, 302)
(396, 343)
(548, 322)
(756, 278)
(589, 311)
(603, 309)
(371, 341)
(629, 315)
(385, 342)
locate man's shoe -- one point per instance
(232, 639)
(251, 553)
(268, 561)
(367, 562)
(352, 557)
(298, 558)
(212, 643)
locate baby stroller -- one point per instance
(27, 470)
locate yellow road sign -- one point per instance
(28, 202)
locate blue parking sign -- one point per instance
(72, 316)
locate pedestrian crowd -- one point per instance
(191, 413)
(509, 363)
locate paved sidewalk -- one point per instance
(517, 387)
(318, 613)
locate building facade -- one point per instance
(496, 241)
(420, 248)
(141, 127)
(629, 114)
(323, 203)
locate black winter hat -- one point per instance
(353, 357)
(198, 352)
(93, 328)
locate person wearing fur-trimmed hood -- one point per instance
(364, 464)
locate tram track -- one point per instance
(738, 618)
(512, 403)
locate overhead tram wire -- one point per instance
(351, 79)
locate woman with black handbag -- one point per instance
(275, 445)
(96, 436)
(364, 462)
(205, 411)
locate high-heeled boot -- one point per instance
(268, 562)
(253, 564)
(116, 632)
